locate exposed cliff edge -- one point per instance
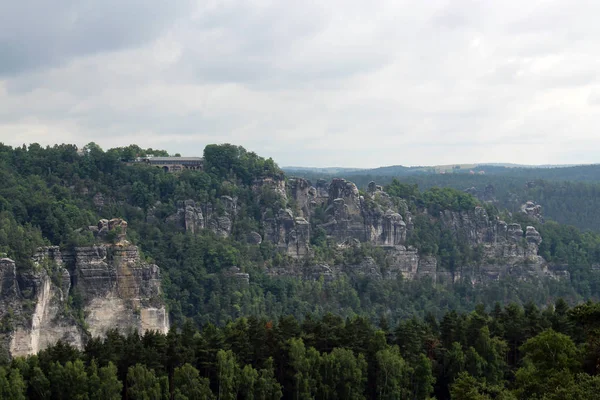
(81, 293)
(352, 218)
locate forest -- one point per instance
(48, 196)
(568, 195)
(509, 352)
(282, 337)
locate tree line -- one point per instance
(510, 352)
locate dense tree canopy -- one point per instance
(484, 354)
(50, 194)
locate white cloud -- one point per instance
(343, 83)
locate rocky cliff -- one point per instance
(353, 218)
(81, 293)
(193, 217)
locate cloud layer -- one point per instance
(337, 83)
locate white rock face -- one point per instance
(113, 313)
(47, 327)
(154, 319)
(119, 291)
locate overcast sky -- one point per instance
(310, 83)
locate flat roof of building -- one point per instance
(173, 158)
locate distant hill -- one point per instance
(584, 173)
(509, 165)
(326, 170)
(401, 170)
(568, 194)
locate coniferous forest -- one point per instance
(509, 352)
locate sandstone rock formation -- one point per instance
(370, 219)
(254, 238)
(488, 194)
(270, 184)
(533, 210)
(188, 216)
(303, 194)
(117, 288)
(192, 217)
(290, 234)
(352, 218)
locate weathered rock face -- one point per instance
(270, 184)
(33, 304)
(393, 230)
(371, 219)
(188, 216)
(321, 191)
(403, 262)
(8, 279)
(254, 238)
(290, 234)
(374, 218)
(303, 194)
(192, 217)
(506, 249)
(533, 210)
(116, 226)
(117, 288)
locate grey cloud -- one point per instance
(309, 83)
(284, 45)
(38, 34)
(458, 14)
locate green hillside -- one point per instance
(423, 332)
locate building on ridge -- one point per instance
(173, 164)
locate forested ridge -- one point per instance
(49, 194)
(491, 353)
(279, 336)
(569, 195)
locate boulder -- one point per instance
(254, 238)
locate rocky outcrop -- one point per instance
(290, 234)
(533, 210)
(8, 280)
(303, 194)
(35, 302)
(118, 290)
(402, 262)
(374, 218)
(309, 272)
(254, 238)
(188, 216)
(488, 194)
(506, 248)
(352, 218)
(193, 218)
(112, 230)
(371, 219)
(269, 184)
(321, 191)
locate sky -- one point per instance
(345, 83)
